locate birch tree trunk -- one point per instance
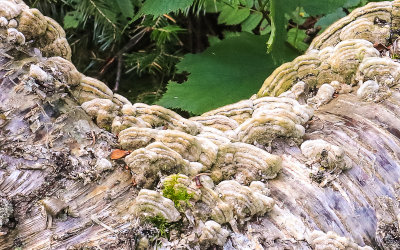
(51, 154)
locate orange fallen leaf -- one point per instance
(118, 154)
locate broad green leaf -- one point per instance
(239, 16)
(327, 20)
(212, 40)
(230, 70)
(298, 16)
(226, 11)
(211, 6)
(126, 8)
(279, 8)
(265, 28)
(233, 16)
(296, 37)
(351, 3)
(313, 7)
(160, 7)
(252, 21)
(249, 3)
(72, 19)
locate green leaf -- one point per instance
(279, 8)
(72, 19)
(252, 21)
(126, 8)
(298, 16)
(265, 28)
(212, 40)
(277, 41)
(230, 70)
(160, 7)
(296, 38)
(313, 7)
(351, 3)
(327, 20)
(250, 3)
(233, 16)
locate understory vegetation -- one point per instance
(189, 55)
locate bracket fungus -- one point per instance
(102, 110)
(246, 201)
(90, 88)
(158, 117)
(383, 70)
(245, 163)
(368, 90)
(220, 122)
(239, 111)
(151, 203)
(213, 233)
(323, 96)
(323, 241)
(6, 211)
(325, 160)
(145, 163)
(330, 156)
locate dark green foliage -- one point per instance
(176, 192)
(296, 39)
(327, 20)
(160, 7)
(231, 70)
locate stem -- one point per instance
(132, 42)
(263, 12)
(119, 69)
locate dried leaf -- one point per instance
(118, 154)
(380, 47)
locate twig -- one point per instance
(119, 69)
(98, 222)
(132, 42)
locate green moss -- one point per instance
(176, 192)
(160, 223)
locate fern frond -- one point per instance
(165, 34)
(153, 62)
(103, 15)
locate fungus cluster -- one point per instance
(330, 240)
(218, 159)
(345, 53)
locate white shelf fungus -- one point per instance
(102, 110)
(332, 241)
(323, 96)
(368, 90)
(245, 163)
(330, 156)
(90, 88)
(151, 203)
(246, 201)
(213, 233)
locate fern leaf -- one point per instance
(158, 8)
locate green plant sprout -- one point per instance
(160, 223)
(176, 192)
